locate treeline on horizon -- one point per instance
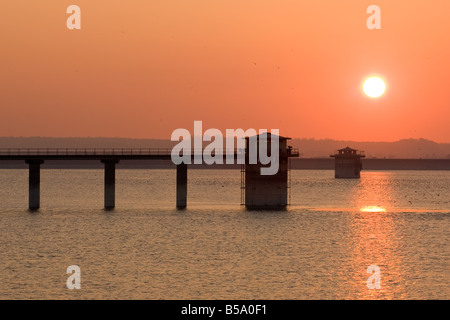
(308, 148)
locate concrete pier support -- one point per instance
(34, 183)
(181, 186)
(110, 183)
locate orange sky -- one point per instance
(143, 68)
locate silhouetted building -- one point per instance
(267, 191)
(347, 163)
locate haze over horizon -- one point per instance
(309, 148)
(286, 135)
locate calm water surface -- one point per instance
(319, 248)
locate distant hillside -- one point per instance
(403, 149)
(309, 148)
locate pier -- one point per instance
(109, 157)
(34, 158)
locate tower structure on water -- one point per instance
(347, 163)
(268, 192)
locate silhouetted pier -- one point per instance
(109, 157)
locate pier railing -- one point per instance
(111, 151)
(356, 152)
(84, 151)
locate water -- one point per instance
(319, 248)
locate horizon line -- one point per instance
(161, 139)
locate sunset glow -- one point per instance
(144, 68)
(199, 151)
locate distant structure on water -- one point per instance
(268, 192)
(347, 163)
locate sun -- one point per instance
(374, 87)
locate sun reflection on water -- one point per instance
(373, 209)
(375, 239)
